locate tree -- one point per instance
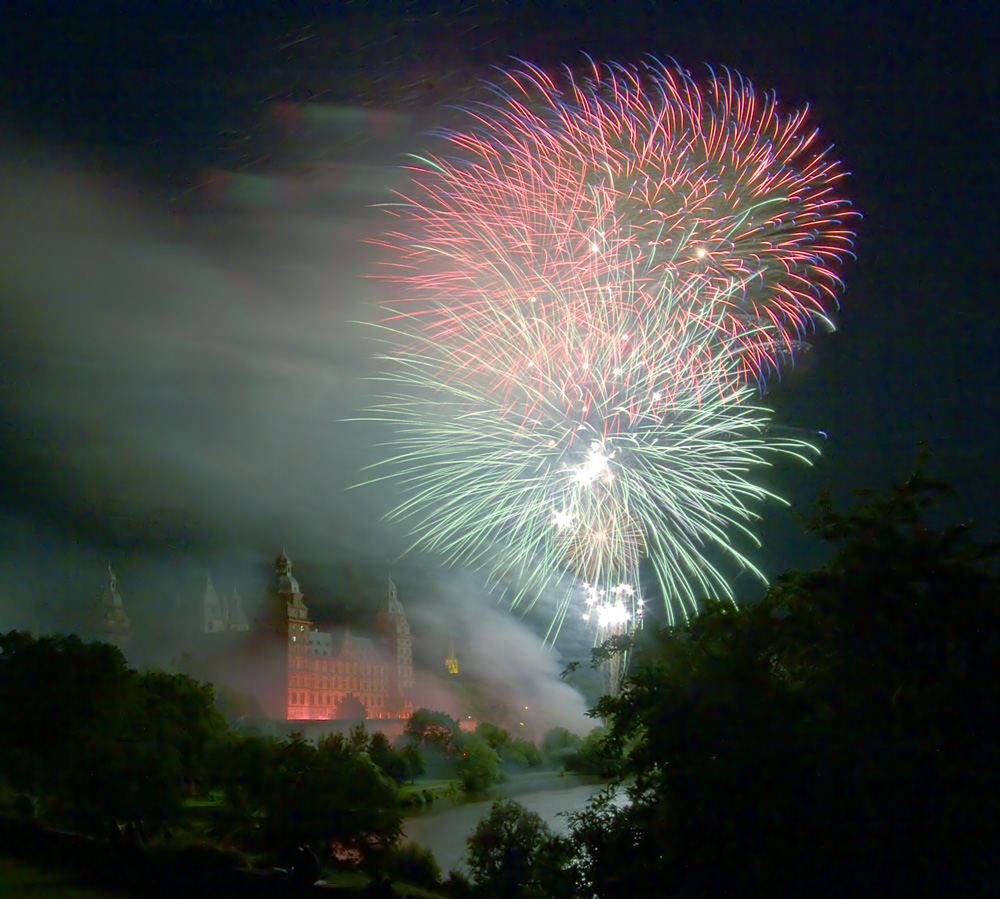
(593, 755)
(57, 692)
(413, 759)
(433, 730)
(477, 765)
(327, 797)
(520, 752)
(558, 745)
(174, 710)
(350, 708)
(511, 849)
(437, 735)
(826, 741)
(392, 763)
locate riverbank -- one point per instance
(444, 828)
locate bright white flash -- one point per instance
(612, 614)
(595, 467)
(561, 518)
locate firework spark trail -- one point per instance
(719, 204)
(595, 281)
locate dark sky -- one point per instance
(173, 378)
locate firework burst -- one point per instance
(596, 278)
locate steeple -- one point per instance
(394, 629)
(285, 583)
(390, 604)
(237, 617)
(451, 663)
(109, 621)
(215, 614)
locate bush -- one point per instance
(511, 848)
(409, 863)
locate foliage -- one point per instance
(327, 795)
(516, 752)
(177, 711)
(435, 737)
(558, 745)
(236, 707)
(413, 760)
(350, 708)
(512, 848)
(476, 763)
(522, 753)
(409, 863)
(56, 692)
(593, 755)
(433, 730)
(391, 762)
(829, 740)
(139, 741)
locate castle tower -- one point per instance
(237, 617)
(284, 622)
(108, 621)
(394, 629)
(214, 613)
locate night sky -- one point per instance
(175, 373)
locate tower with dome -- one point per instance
(328, 673)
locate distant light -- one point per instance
(701, 252)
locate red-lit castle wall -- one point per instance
(324, 669)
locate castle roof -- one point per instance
(211, 602)
(341, 643)
(108, 617)
(285, 583)
(109, 595)
(390, 604)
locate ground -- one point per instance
(24, 880)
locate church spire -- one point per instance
(215, 614)
(237, 617)
(451, 662)
(109, 621)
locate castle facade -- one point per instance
(295, 670)
(326, 672)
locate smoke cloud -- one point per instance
(177, 383)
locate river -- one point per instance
(443, 828)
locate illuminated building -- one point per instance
(324, 671)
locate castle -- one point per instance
(312, 675)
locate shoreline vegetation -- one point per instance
(36, 858)
(877, 669)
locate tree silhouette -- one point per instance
(836, 738)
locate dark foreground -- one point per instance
(194, 872)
